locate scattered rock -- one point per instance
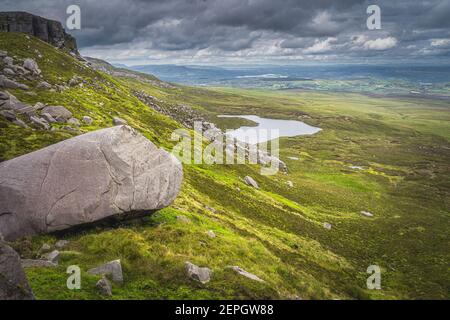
(48, 117)
(32, 66)
(251, 182)
(87, 120)
(9, 72)
(211, 234)
(44, 85)
(293, 158)
(69, 128)
(8, 114)
(45, 248)
(74, 122)
(183, 219)
(244, 273)
(59, 113)
(119, 121)
(112, 269)
(52, 256)
(3, 53)
(367, 214)
(72, 82)
(32, 263)
(20, 123)
(10, 84)
(109, 172)
(40, 123)
(39, 106)
(290, 184)
(327, 225)
(8, 61)
(13, 282)
(196, 273)
(61, 243)
(104, 286)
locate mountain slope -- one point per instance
(275, 232)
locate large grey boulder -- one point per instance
(113, 172)
(59, 113)
(13, 282)
(10, 84)
(31, 65)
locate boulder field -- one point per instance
(113, 172)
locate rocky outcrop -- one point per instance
(13, 282)
(47, 30)
(113, 172)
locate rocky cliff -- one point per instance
(47, 30)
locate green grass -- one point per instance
(276, 232)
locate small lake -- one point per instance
(263, 133)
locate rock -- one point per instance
(9, 72)
(52, 256)
(45, 248)
(211, 234)
(367, 214)
(48, 117)
(72, 82)
(87, 120)
(20, 123)
(32, 263)
(8, 61)
(104, 286)
(327, 225)
(113, 172)
(196, 273)
(4, 96)
(31, 65)
(10, 84)
(244, 273)
(112, 269)
(69, 128)
(59, 113)
(39, 106)
(251, 182)
(13, 282)
(183, 219)
(119, 121)
(61, 243)
(47, 30)
(8, 114)
(40, 123)
(73, 122)
(290, 184)
(3, 53)
(44, 85)
(293, 158)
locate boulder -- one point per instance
(44, 85)
(196, 273)
(39, 123)
(13, 282)
(119, 121)
(211, 234)
(8, 114)
(61, 243)
(112, 269)
(290, 184)
(3, 53)
(114, 172)
(251, 182)
(104, 286)
(246, 274)
(20, 123)
(367, 214)
(87, 120)
(31, 65)
(327, 225)
(73, 122)
(8, 61)
(59, 113)
(48, 117)
(52, 256)
(9, 72)
(37, 263)
(10, 84)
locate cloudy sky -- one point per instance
(253, 31)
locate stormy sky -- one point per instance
(253, 31)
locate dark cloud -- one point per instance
(245, 29)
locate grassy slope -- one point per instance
(275, 232)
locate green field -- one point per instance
(276, 232)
